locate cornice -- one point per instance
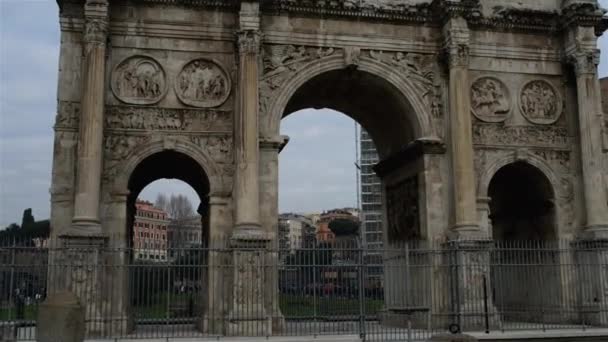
(419, 13)
(433, 14)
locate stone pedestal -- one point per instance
(452, 338)
(248, 315)
(592, 271)
(470, 289)
(78, 267)
(61, 318)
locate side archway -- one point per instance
(181, 146)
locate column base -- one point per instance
(249, 326)
(594, 232)
(467, 232)
(84, 226)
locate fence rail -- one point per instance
(405, 291)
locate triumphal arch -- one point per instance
(486, 115)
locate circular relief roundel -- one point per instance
(540, 103)
(490, 100)
(203, 83)
(139, 80)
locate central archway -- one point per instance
(392, 114)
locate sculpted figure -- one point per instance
(490, 100)
(539, 102)
(203, 83)
(139, 80)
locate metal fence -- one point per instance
(406, 291)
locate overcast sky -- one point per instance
(317, 170)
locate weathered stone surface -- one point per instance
(210, 81)
(452, 338)
(61, 318)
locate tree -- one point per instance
(28, 218)
(344, 227)
(161, 201)
(179, 207)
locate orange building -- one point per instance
(150, 232)
(324, 234)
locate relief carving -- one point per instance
(402, 210)
(138, 118)
(281, 62)
(139, 80)
(203, 83)
(493, 134)
(116, 149)
(68, 114)
(540, 103)
(219, 147)
(558, 159)
(417, 68)
(490, 100)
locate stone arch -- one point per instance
(179, 145)
(535, 161)
(420, 117)
(557, 191)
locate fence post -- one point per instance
(314, 283)
(362, 332)
(12, 280)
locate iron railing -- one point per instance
(405, 291)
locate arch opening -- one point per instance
(522, 204)
(388, 126)
(174, 235)
(525, 272)
(368, 99)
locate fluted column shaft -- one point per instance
(590, 130)
(461, 141)
(247, 215)
(90, 143)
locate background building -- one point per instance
(371, 206)
(150, 232)
(183, 234)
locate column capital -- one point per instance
(585, 62)
(249, 42)
(96, 21)
(456, 36)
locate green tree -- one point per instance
(344, 227)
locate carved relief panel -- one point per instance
(490, 100)
(139, 80)
(203, 83)
(540, 102)
(281, 62)
(403, 212)
(167, 119)
(516, 99)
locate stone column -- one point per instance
(248, 316)
(246, 142)
(90, 142)
(464, 221)
(592, 250)
(582, 53)
(270, 148)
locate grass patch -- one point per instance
(30, 312)
(305, 306)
